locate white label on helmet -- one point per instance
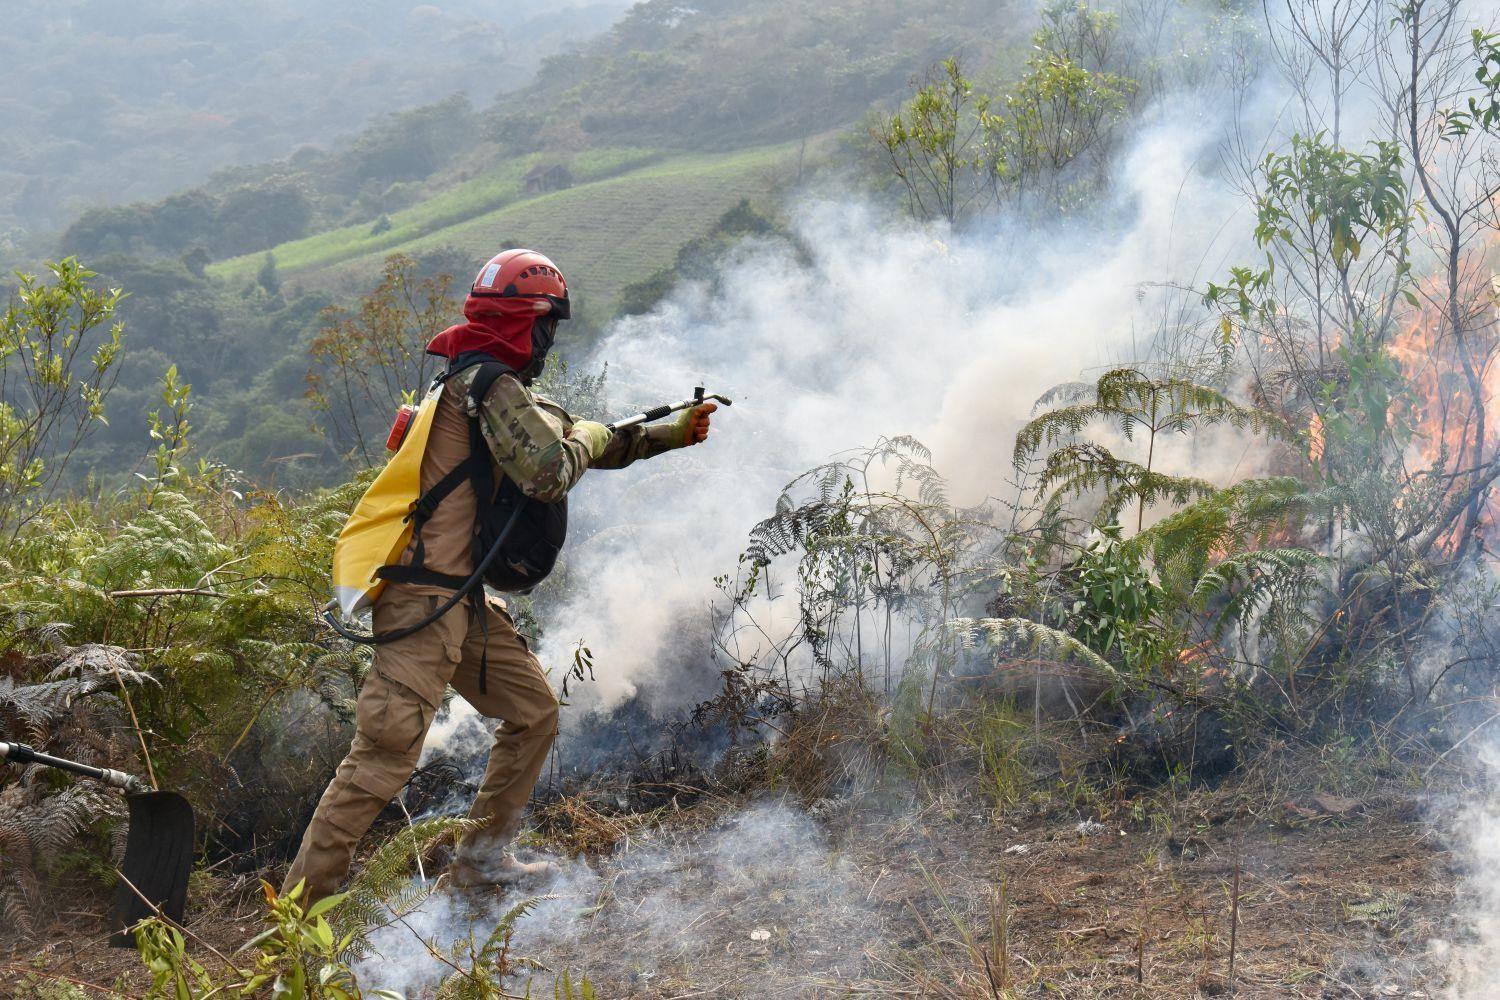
(488, 276)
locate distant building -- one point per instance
(547, 177)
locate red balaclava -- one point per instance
(512, 311)
(499, 327)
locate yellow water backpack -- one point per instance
(380, 527)
(516, 541)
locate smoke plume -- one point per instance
(1473, 960)
(862, 327)
(765, 880)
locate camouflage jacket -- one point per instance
(528, 435)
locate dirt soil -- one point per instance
(1337, 898)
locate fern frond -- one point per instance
(480, 968)
(1272, 588)
(499, 938)
(1077, 470)
(901, 445)
(1065, 392)
(1247, 515)
(385, 884)
(1022, 633)
(1063, 424)
(89, 671)
(1130, 401)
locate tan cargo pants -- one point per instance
(397, 702)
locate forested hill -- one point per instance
(716, 76)
(659, 128)
(725, 73)
(114, 102)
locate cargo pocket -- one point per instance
(425, 660)
(412, 673)
(391, 715)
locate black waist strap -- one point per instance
(421, 575)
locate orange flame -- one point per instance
(1444, 413)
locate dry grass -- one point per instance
(1121, 913)
(578, 825)
(953, 900)
(860, 855)
(948, 902)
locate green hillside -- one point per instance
(608, 234)
(458, 203)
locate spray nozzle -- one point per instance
(657, 412)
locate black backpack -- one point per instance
(529, 551)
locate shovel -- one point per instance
(158, 847)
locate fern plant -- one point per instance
(565, 988)
(1014, 635)
(74, 711)
(1270, 594)
(878, 544)
(481, 966)
(1136, 404)
(38, 824)
(1248, 515)
(384, 883)
(217, 590)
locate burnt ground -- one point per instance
(1338, 897)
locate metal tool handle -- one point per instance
(23, 754)
(657, 412)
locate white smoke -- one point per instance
(766, 878)
(863, 327)
(1473, 960)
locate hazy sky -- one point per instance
(110, 102)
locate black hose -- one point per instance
(448, 605)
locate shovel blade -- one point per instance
(158, 861)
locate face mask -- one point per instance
(543, 333)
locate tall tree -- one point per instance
(367, 361)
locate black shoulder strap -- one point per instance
(489, 371)
(480, 465)
(481, 468)
(477, 468)
(482, 474)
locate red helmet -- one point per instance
(524, 274)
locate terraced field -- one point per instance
(607, 233)
(463, 201)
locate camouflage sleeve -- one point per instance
(530, 445)
(631, 444)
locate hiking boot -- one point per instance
(508, 871)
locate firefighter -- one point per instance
(532, 446)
